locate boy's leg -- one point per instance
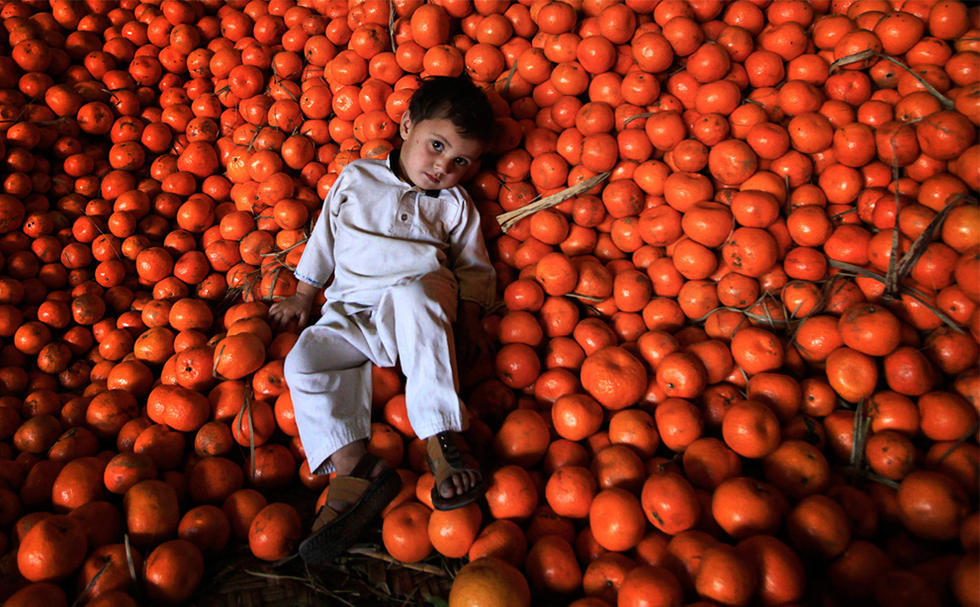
(329, 378)
(330, 384)
(419, 315)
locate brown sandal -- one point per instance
(334, 532)
(445, 459)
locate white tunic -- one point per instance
(376, 230)
(399, 258)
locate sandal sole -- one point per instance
(336, 537)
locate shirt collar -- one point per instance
(393, 167)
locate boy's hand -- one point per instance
(473, 342)
(295, 306)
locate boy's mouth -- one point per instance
(431, 178)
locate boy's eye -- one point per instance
(460, 161)
(437, 145)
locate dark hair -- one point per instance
(456, 99)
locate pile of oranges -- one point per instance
(738, 367)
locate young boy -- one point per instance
(402, 245)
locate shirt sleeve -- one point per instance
(316, 264)
(468, 257)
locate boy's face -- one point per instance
(435, 154)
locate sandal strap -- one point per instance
(347, 488)
(444, 455)
(365, 465)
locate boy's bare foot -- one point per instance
(457, 482)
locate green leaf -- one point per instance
(436, 601)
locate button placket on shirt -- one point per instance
(410, 218)
(410, 195)
(403, 217)
(412, 198)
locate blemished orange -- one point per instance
(615, 465)
(275, 531)
(604, 575)
(751, 429)
(756, 350)
(797, 468)
(869, 329)
(852, 374)
(52, 549)
(670, 503)
(636, 428)
(743, 507)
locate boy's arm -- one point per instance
(316, 264)
(314, 268)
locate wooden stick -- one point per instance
(507, 220)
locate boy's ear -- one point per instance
(404, 125)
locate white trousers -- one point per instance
(328, 370)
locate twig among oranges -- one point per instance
(873, 54)
(381, 556)
(910, 291)
(306, 581)
(507, 220)
(925, 238)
